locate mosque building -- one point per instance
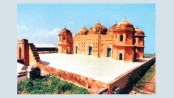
(121, 41)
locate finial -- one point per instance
(98, 21)
(84, 26)
(65, 27)
(116, 22)
(124, 17)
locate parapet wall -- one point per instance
(91, 85)
(125, 81)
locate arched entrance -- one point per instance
(108, 51)
(89, 50)
(120, 56)
(68, 50)
(76, 49)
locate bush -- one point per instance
(49, 85)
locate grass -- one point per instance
(48, 85)
(146, 79)
(149, 55)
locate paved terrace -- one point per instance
(100, 69)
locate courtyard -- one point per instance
(102, 69)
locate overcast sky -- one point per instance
(40, 23)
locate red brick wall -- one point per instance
(123, 80)
(90, 84)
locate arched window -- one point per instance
(121, 37)
(63, 38)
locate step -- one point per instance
(33, 49)
(24, 68)
(37, 57)
(38, 60)
(36, 54)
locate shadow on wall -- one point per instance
(46, 63)
(135, 77)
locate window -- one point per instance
(63, 38)
(121, 37)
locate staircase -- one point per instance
(34, 56)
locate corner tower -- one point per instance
(65, 43)
(123, 44)
(139, 43)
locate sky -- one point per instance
(41, 23)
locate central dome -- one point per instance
(112, 29)
(125, 26)
(97, 28)
(83, 31)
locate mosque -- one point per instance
(120, 41)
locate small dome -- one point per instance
(97, 28)
(125, 25)
(83, 31)
(139, 32)
(112, 29)
(65, 31)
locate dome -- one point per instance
(125, 25)
(65, 31)
(97, 28)
(139, 32)
(82, 31)
(112, 29)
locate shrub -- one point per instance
(49, 85)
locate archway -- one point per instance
(108, 51)
(68, 50)
(89, 50)
(120, 56)
(76, 49)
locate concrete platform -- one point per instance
(100, 69)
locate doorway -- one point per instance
(108, 52)
(120, 56)
(76, 49)
(89, 50)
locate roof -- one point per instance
(65, 31)
(83, 31)
(97, 28)
(125, 25)
(101, 69)
(45, 46)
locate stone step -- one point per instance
(36, 54)
(37, 57)
(24, 68)
(22, 73)
(38, 60)
(33, 49)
